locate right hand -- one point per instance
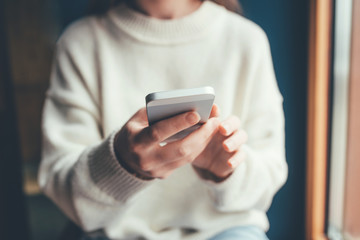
(137, 145)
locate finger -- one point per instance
(139, 119)
(215, 111)
(221, 166)
(234, 142)
(193, 144)
(229, 126)
(236, 159)
(165, 170)
(140, 114)
(163, 129)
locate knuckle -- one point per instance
(129, 127)
(145, 166)
(160, 156)
(136, 149)
(154, 134)
(182, 151)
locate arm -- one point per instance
(79, 170)
(91, 177)
(263, 170)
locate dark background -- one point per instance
(287, 25)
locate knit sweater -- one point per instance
(104, 67)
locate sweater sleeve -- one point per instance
(79, 170)
(254, 183)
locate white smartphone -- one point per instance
(163, 105)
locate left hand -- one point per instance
(223, 152)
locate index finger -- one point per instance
(193, 144)
(229, 126)
(164, 129)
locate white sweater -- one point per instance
(104, 67)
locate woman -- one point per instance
(103, 165)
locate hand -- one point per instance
(223, 153)
(137, 145)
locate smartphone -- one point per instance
(166, 104)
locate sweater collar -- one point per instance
(161, 31)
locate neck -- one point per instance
(165, 9)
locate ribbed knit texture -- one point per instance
(108, 171)
(156, 31)
(104, 66)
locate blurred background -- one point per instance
(28, 32)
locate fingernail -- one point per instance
(226, 128)
(233, 163)
(228, 144)
(229, 164)
(192, 117)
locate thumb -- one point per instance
(215, 111)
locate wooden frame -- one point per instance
(352, 191)
(318, 116)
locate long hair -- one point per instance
(101, 6)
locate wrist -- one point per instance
(123, 162)
(208, 175)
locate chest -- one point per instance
(129, 74)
